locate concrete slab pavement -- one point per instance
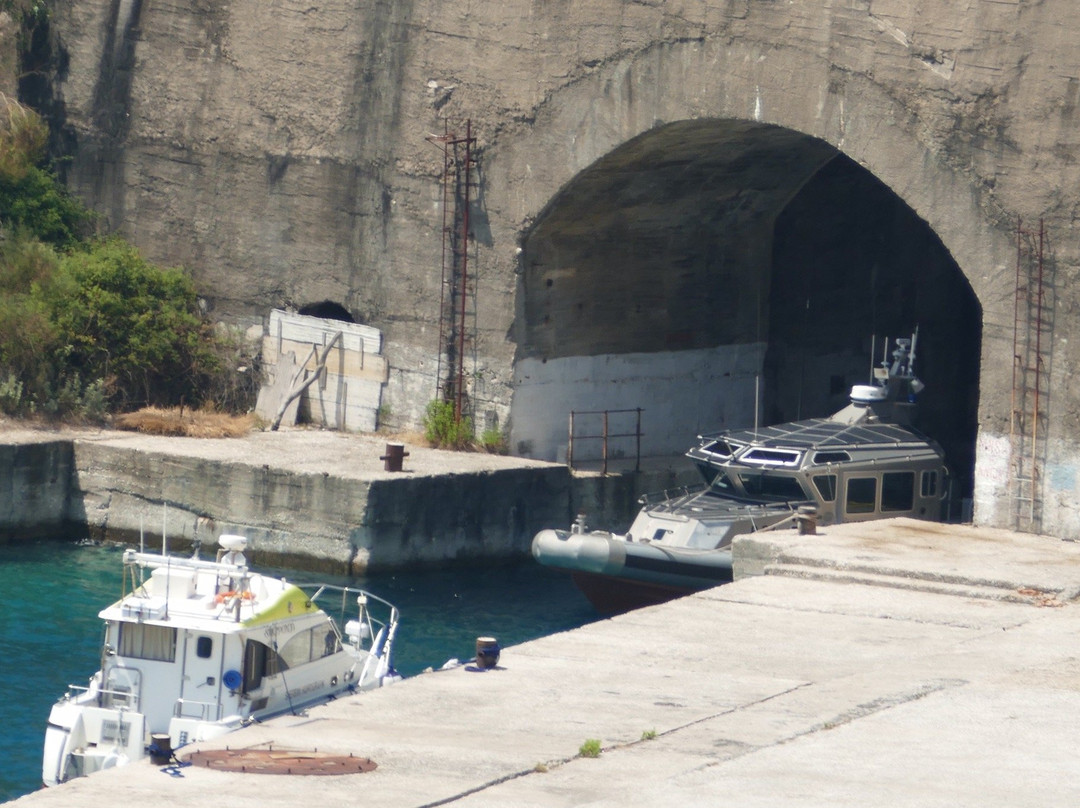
(779, 691)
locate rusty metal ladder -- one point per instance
(1033, 325)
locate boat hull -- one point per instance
(618, 575)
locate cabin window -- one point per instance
(772, 487)
(773, 457)
(823, 458)
(826, 486)
(722, 483)
(144, 641)
(929, 483)
(311, 644)
(204, 646)
(861, 495)
(719, 447)
(898, 490)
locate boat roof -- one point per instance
(825, 433)
(194, 594)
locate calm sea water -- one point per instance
(52, 635)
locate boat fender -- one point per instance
(232, 679)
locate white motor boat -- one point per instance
(864, 462)
(197, 648)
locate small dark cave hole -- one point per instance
(328, 310)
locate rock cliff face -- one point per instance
(634, 164)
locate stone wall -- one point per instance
(280, 151)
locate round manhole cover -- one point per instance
(280, 761)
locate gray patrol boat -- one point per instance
(864, 462)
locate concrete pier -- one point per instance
(305, 498)
(894, 663)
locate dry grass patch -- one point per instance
(186, 423)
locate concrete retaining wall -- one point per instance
(35, 490)
(304, 519)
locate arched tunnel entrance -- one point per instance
(707, 266)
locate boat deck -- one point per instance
(885, 663)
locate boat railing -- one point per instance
(199, 710)
(670, 494)
(378, 617)
(605, 435)
(121, 699)
(705, 507)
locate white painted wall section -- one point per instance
(681, 393)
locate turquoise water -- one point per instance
(52, 634)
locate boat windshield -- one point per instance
(772, 487)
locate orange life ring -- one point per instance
(221, 597)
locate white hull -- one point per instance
(200, 649)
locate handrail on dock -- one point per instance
(605, 435)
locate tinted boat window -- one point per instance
(772, 487)
(778, 456)
(861, 495)
(821, 458)
(719, 447)
(722, 484)
(826, 486)
(898, 491)
(929, 483)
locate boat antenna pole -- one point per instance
(757, 404)
(873, 350)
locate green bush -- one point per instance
(442, 430)
(31, 198)
(85, 325)
(37, 203)
(121, 319)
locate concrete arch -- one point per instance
(686, 88)
(784, 85)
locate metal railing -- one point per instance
(198, 710)
(605, 435)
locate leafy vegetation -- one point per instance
(88, 324)
(590, 749)
(444, 431)
(493, 441)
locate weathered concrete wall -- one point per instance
(35, 490)
(317, 519)
(279, 151)
(704, 390)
